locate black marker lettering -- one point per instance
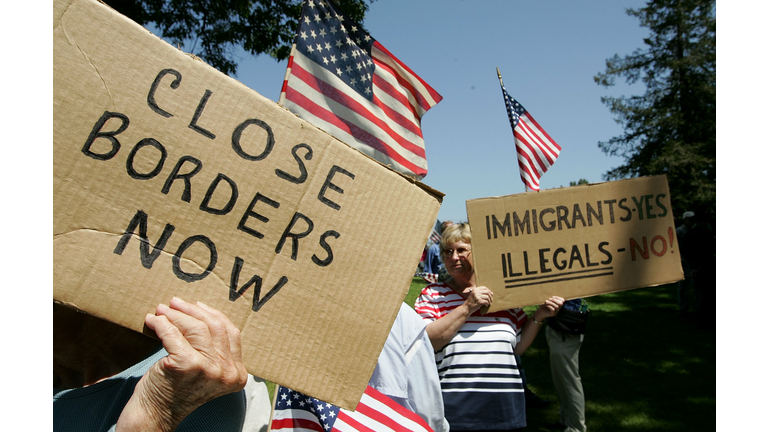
(237, 134)
(543, 261)
(158, 167)
(198, 112)
(506, 230)
(109, 135)
(562, 216)
(192, 277)
(577, 215)
(575, 255)
(151, 96)
(551, 224)
(328, 185)
(610, 208)
(204, 206)
(187, 194)
(525, 223)
(561, 265)
(598, 214)
(235, 293)
(294, 236)
(249, 212)
(329, 258)
(257, 304)
(625, 208)
(525, 262)
(302, 169)
(609, 257)
(147, 258)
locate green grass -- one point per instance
(643, 368)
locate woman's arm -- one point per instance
(530, 329)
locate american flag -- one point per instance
(536, 150)
(296, 412)
(429, 277)
(343, 81)
(434, 236)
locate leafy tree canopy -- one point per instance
(671, 128)
(212, 29)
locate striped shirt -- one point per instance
(481, 384)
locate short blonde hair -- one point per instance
(455, 233)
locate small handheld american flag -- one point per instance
(297, 412)
(536, 150)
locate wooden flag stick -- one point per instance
(498, 72)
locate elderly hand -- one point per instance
(203, 363)
(477, 297)
(549, 309)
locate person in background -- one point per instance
(564, 350)
(685, 286)
(110, 378)
(406, 370)
(405, 374)
(699, 246)
(433, 263)
(475, 353)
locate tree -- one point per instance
(671, 128)
(211, 29)
(580, 182)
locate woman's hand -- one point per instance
(549, 309)
(477, 297)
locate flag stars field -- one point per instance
(346, 83)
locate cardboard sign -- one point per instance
(172, 179)
(574, 242)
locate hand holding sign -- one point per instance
(478, 297)
(203, 363)
(549, 309)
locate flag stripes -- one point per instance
(536, 150)
(376, 412)
(357, 91)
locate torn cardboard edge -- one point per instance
(381, 219)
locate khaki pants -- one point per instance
(564, 361)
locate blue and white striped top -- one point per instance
(482, 387)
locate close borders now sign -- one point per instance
(173, 179)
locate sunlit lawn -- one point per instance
(643, 368)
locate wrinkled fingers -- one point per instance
(218, 326)
(173, 339)
(231, 333)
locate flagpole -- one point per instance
(501, 83)
(281, 99)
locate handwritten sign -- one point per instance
(574, 242)
(172, 179)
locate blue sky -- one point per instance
(548, 53)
